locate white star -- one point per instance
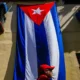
(37, 11)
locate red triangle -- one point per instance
(36, 17)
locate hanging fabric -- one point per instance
(39, 41)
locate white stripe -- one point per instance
(30, 47)
(52, 44)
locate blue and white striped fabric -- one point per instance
(38, 44)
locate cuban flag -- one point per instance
(39, 41)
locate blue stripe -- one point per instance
(41, 45)
(19, 69)
(6, 7)
(62, 75)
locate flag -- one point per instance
(39, 41)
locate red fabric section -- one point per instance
(43, 8)
(43, 77)
(1, 28)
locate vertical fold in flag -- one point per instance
(19, 69)
(39, 41)
(62, 71)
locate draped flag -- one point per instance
(39, 41)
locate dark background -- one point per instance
(71, 1)
(25, 0)
(65, 1)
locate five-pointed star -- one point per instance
(37, 11)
